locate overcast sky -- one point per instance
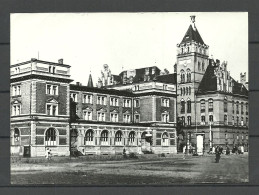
(86, 41)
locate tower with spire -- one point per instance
(192, 61)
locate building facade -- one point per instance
(143, 110)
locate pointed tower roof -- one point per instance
(192, 33)
(90, 81)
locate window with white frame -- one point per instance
(16, 136)
(114, 117)
(165, 87)
(101, 100)
(165, 102)
(16, 109)
(136, 103)
(131, 138)
(104, 138)
(203, 120)
(51, 89)
(118, 138)
(114, 101)
(100, 116)
(16, 90)
(50, 137)
(87, 98)
(126, 118)
(52, 109)
(189, 120)
(88, 115)
(89, 137)
(74, 96)
(165, 140)
(165, 117)
(127, 103)
(137, 118)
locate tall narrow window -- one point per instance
(211, 118)
(118, 138)
(165, 139)
(210, 105)
(50, 137)
(182, 106)
(225, 119)
(189, 120)
(89, 137)
(202, 105)
(242, 108)
(104, 137)
(189, 106)
(202, 120)
(131, 138)
(183, 120)
(237, 107)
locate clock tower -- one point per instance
(192, 61)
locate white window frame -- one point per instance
(114, 117)
(118, 142)
(135, 118)
(165, 117)
(132, 139)
(165, 102)
(127, 103)
(16, 109)
(165, 140)
(87, 115)
(51, 90)
(15, 88)
(74, 96)
(135, 103)
(51, 109)
(114, 101)
(100, 116)
(88, 98)
(102, 100)
(126, 118)
(91, 142)
(106, 141)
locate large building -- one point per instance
(143, 110)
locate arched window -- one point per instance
(188, 75)
(237, 107)
(118, 138)
(182, 74)
(16, 136)
(104, 138)
(225, 119)
(183, 120)
(189, 106)
(50, 137)
(165, 141)
(225, 104)
(184, 91)
(53, 69)
(210, 105)
(89, 137)
(131, 138)
(182, 106)
(202, 105)
(189, 120)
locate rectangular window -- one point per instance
(114, 101)
(114, 117)
(136, 103)
(74, 97)
(126, 118)
(101, 100)
(165, 118)
(165, 102)
(87, 115)
(51, 89)
(203, 120)
(127, 103)
(16, 110)
(101, 116)
(87, 98)
(137, 118)
(16, 90)
(51, 109)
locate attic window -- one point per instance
(187, 37)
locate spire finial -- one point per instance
(193, 22)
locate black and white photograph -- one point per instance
(129, 98)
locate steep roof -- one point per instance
(192, 35)
(90, 81)
(209, 83)
(168, 78)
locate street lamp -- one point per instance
(210, 137)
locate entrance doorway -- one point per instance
(145, 143)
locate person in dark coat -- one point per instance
(218, 153)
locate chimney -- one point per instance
(60, 61)
(78, 83)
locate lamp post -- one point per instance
(210, 137)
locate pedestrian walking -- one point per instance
(218, 153)
(47, 152)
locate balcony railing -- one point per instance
(216, 123)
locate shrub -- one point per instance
(163, 155)
(133, 155)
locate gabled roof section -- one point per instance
(209, 81)
(192, 35)
(239, 88)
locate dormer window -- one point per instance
(187, 37)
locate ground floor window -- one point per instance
(131, 138)
(89, 137)
(104, 138)
(50, 137)
(118, 138)
(165, 141)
